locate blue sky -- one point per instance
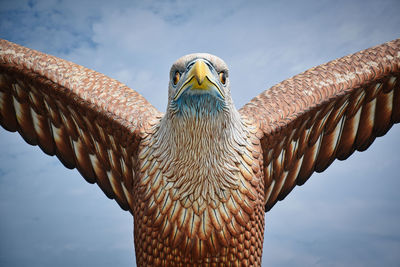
(347, 216)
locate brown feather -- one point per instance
(366, 126)
(54, 103)
(7, 114)
(349, 133)
(383, 114)
(43, 133)
(340, 107)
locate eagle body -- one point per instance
(199, 206)
(199, 198)
(199, 178)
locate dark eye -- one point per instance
(222, 77)
(177, 75)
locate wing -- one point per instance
(90, 121)
(325, 113)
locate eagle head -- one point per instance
(199, 85)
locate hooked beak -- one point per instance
(201, 78)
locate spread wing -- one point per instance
(90, 121)
(325, 113)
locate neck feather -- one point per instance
(201, 150)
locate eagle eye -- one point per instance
(176, 77)
(222, 77)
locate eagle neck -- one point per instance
(201, 152)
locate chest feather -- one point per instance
(199, 191)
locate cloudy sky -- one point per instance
(347, 216)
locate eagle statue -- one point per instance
(199, 178)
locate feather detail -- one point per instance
(335, 109)
(198, 178)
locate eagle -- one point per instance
(199, 178)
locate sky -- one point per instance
(347, 216)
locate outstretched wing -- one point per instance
(325, 113)
(90, 121)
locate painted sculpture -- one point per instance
(199, 178)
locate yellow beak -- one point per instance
(200, 71)
(199, 78)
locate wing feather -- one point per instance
(89, 121)
(325, 113)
